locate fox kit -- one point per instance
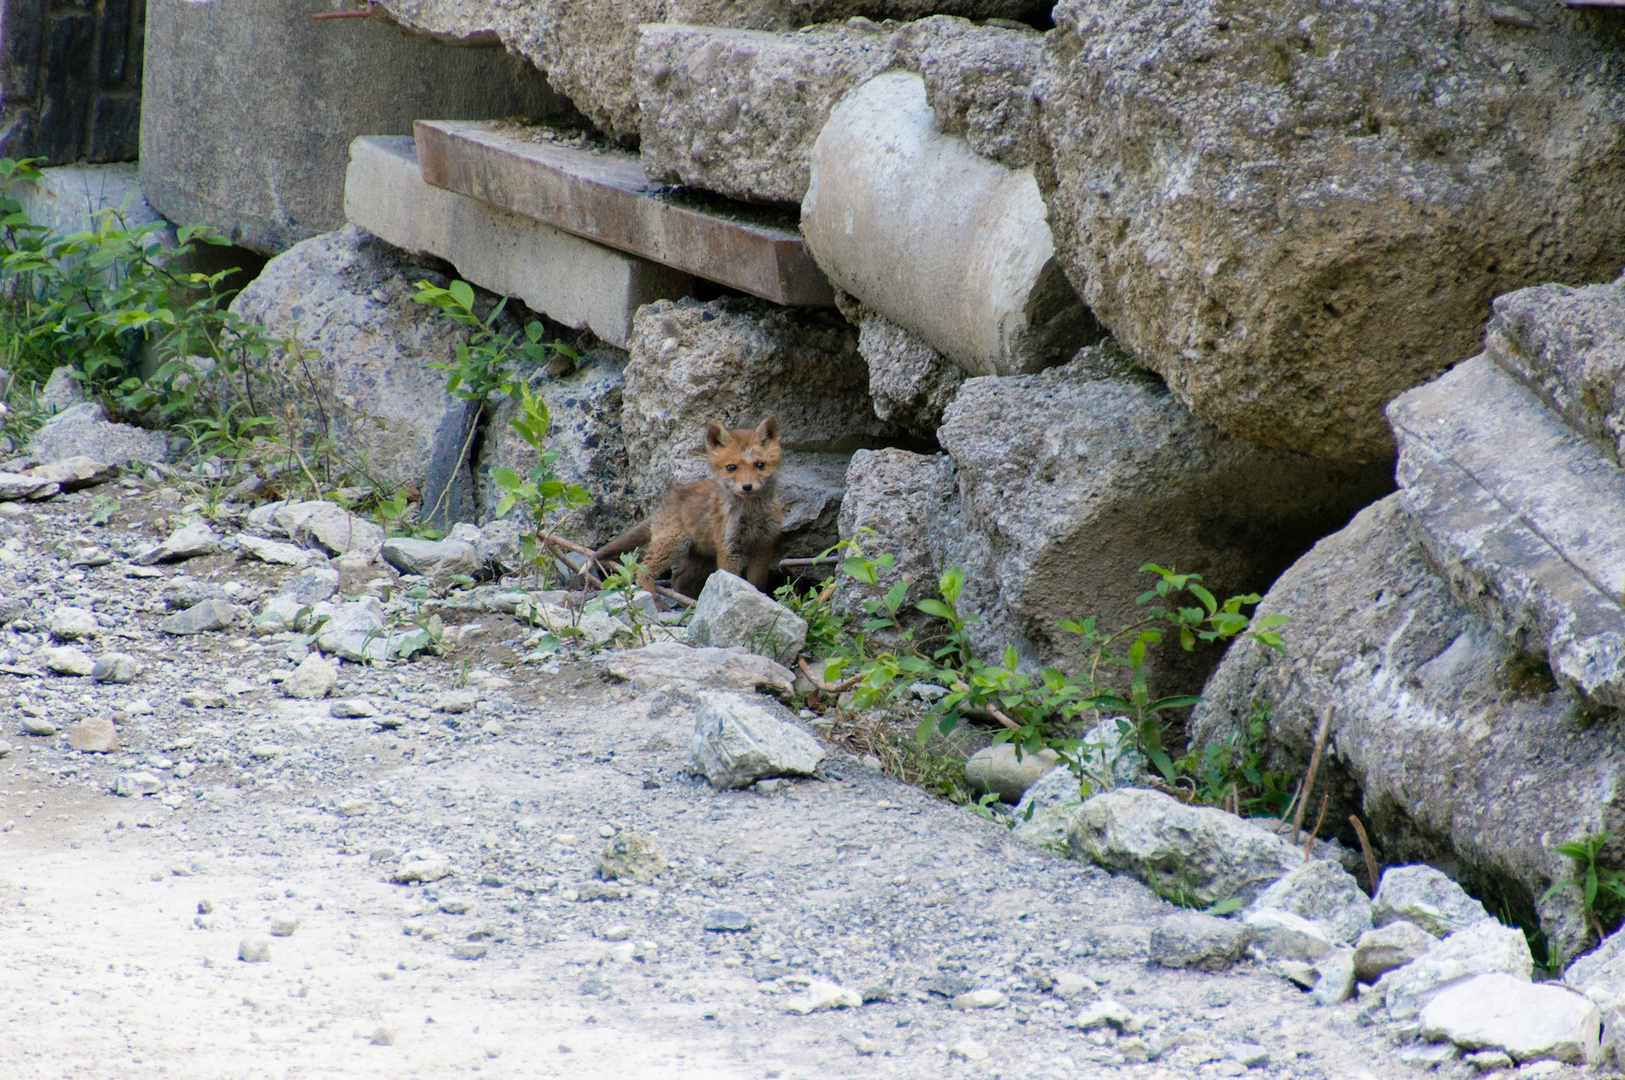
(731, 521)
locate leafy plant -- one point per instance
(1602, 891)
(540, 491)
(483, 363)
(1232, 772)
(1047, 708)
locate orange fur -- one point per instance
(728, 522)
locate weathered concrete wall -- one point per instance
(70, 79)
(267, 168)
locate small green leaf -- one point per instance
(463, 293)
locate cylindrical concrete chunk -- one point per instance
(249, 106)
(937, 239)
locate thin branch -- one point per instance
(1370, 859)
(824, 687)
(825, 560)
(1314, 767)
(1319, 821)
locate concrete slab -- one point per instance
(603, 195)
(1523, 516)
(578, 283)
(65, 197)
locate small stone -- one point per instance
(382, 1037)
(312, 679)
(200, 618)
(822, 996)
(968, 1050)
(1334, 976)
(272, 551)
(1430, 1056)
(456, 701)
(618, 932)
(283, 926)
(1191, 939)
(116, 667)
(728, 920)
(72, 624)
(980, 999)
(205, 907)
(66, 660)
(997, 769)
(264, 751)
(345, 708)
(204, 699)
(254, 949)
(1069, 984)
(1489, 1060)
(454, 907)
(1388, 947)
(589, 891)
(186, 542)
(137, 783)
(185, 769)
(470, 951)
(1425, 896)
(1106, 1012)
(5, 748)
(355, 807)
(1281, 935)
(38, 725)
(1249, 1054)
(631, 857)
(420, 868)
(96, 735)
(737, 742)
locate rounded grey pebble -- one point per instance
(254, 949)
(283, 926)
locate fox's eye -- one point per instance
(761, 464)
(731, 468)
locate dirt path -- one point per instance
(508, 966)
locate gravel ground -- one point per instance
(121, 918)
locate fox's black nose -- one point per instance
(745, 487)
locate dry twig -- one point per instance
(1314, 767)
(1370, 859)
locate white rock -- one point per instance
(1424, 896)
(980, 999)
(137, 783)
(1334, 977)
(737, 742)
(1324, 893)
(673, 663)
(116, 667)
(312, 679)
(823, 995)
(1281, 935)
(272, 551)
(186, 542)
(66, 660)
(730, 611)
(1107, 1012)
(1484, 948)
(72, 623)
(968, 1050)
(1528, 1022)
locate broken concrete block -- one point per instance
(939, 240)
(604, 196)
(1529, 540)
(568, 279)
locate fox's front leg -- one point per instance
(727, 551)
(758, 571)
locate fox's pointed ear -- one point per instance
(716, 436)
(768, 429)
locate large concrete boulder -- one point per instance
(899, 497)
(589, 48)
(979, 282)
(584, 410)
(1422, 688)
(1297, 211)
(249, 131)
(346, 299)
(737, 110)
(1072, 479)
(736, 361)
